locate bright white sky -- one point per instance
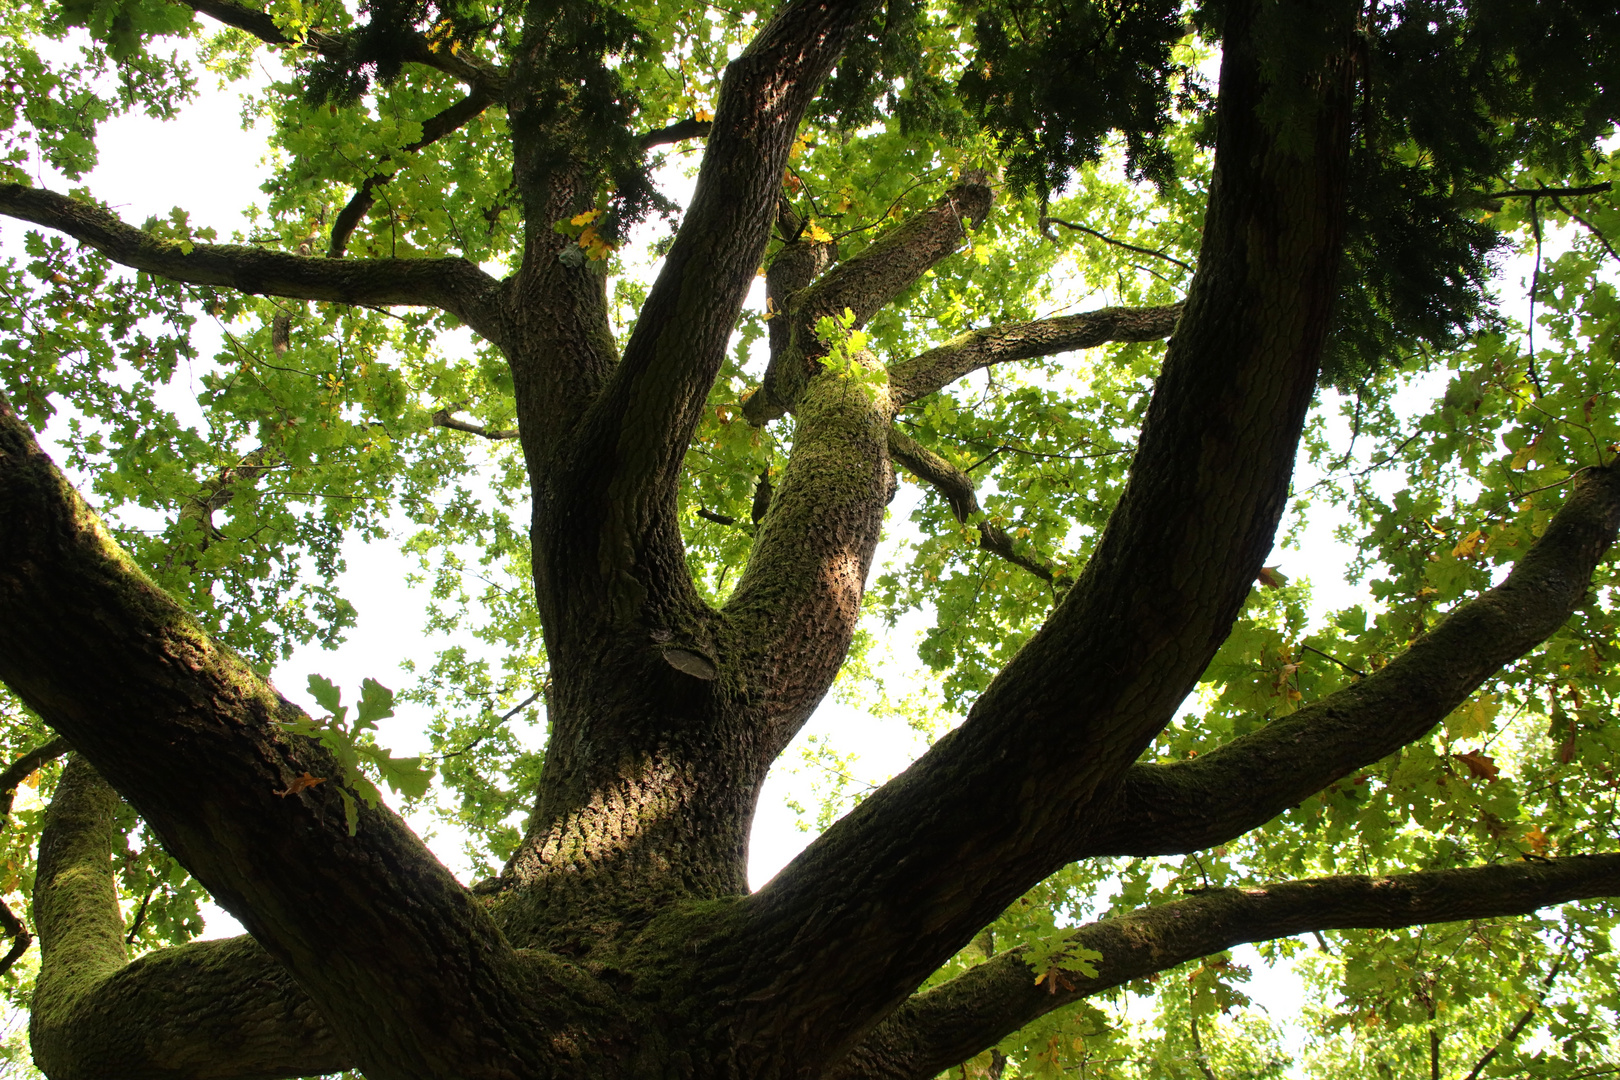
(205, 163)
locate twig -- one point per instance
(1105, 238)
(1335, 659)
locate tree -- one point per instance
(698, 574)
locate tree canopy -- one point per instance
(1093, 277)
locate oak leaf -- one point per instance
(301, 783)
(1481, 765)
(1272, 577)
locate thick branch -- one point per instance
(954, 1021)
(680, 131)
(862, 285)
(634, 437)
(455, 285)
(378, 933)
(434, 128)
(218, 1009)
(1186, 806)
(965, 353)
(956, 487)
(913, 872)
(414, 47)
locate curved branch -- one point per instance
(995, 806)
(956, 487)
(220, 1008)
(20, 770)
(950, 1023)
(415, 48)
(1187, 806)
(937, 368)
(375, 930)
(217, 1009)
(434, 128)
(455, 285)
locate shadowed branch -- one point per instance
(415, 47)
(956, 487)
(960, 1018)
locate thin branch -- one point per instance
(1105, 238)
(1335, 659)
(434, 128)
(444, 419)
(1518, 1027)
(1511, 193)
(956, 487)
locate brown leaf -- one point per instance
(302, 783)
(1272, 578)
(1482, 766)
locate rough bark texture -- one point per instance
(618, 942)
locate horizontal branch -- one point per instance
(1189, 805)
(956, 487)
(680, 131)
(930, 371)
(1110, 240)
(455, 285)
(443, 419)
(434, 128)
(414, 48)
(958, 1019)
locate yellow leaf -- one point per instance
(586, 218)
(818, 234)
(1468, 545)
(1474, 717)
(703, 116)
